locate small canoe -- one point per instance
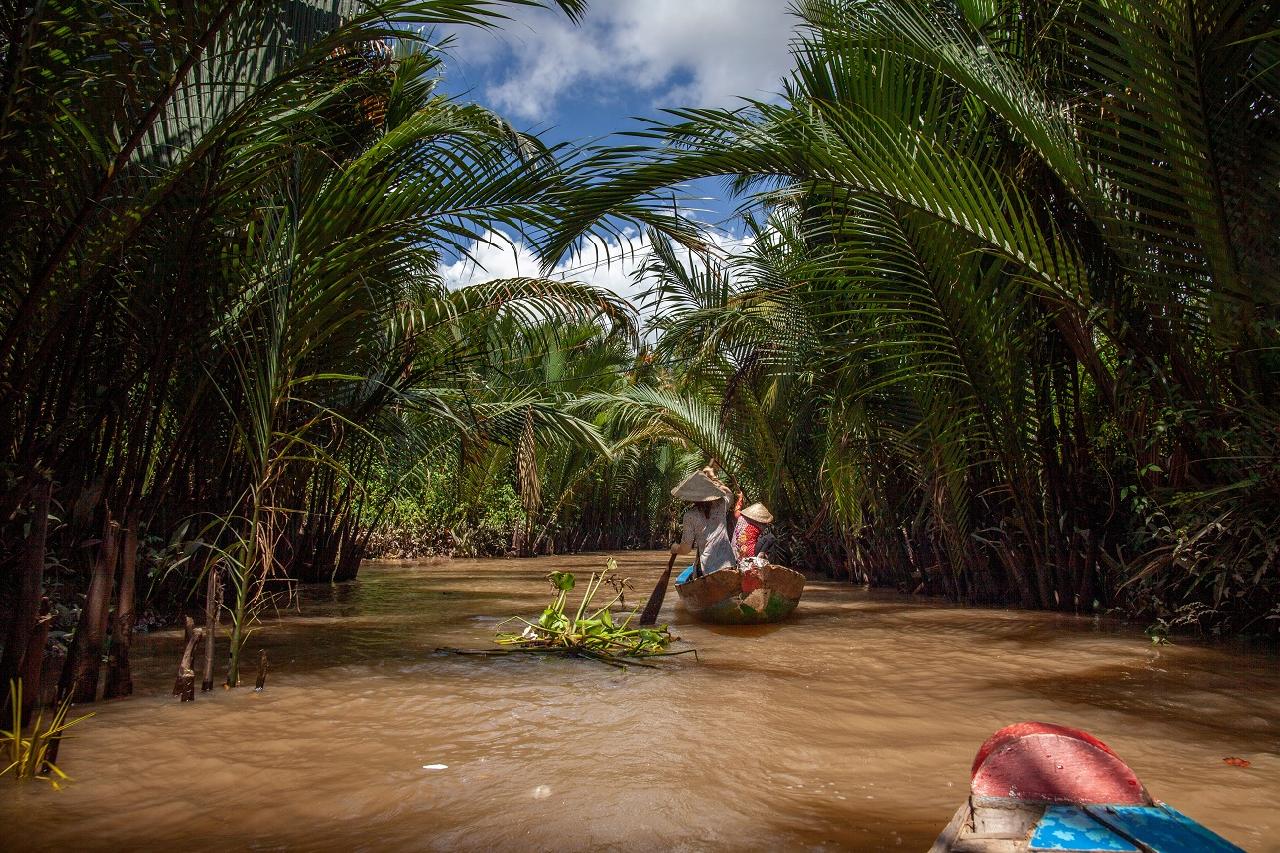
(733, 597)
(1038, 788)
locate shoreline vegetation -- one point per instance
(1003, 326)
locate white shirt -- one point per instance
(708, 535)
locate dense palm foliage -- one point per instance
(1004, 328)
(1010, 331)
(523, 484)
(221, 309)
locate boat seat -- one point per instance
(1124, 829)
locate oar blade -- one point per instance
(649, 616)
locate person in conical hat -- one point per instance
(704, 525)
(751, 536)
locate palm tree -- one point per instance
(225, 221)
(1031, 281)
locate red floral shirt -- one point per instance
(745, 535)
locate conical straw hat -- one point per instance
(697, 487)
(758, 513)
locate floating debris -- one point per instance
(591, 632)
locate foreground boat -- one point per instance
(1037, 787)
(733, 597)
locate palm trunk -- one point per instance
(80, 675)
(119, 675)
(32, 672)
(237, 637)
(212, 611)
(243, 580)
(30, 589)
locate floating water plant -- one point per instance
(29, 756)
(592, 631)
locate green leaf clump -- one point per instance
(590, 631)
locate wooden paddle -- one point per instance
(649, 616)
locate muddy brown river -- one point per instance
(849, 727)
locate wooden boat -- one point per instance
(733, 597)
(1037, 787)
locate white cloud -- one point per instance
(702, 53)
(605, 263)
(611, 264)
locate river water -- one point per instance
(849, 727)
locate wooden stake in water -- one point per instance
(262, 671)
(185, 684)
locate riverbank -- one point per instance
(850, 727)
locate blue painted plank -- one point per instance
(1162, 828)
(1070, 828)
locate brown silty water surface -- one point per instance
(849, 727)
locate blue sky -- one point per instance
(627, 58)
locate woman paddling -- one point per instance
(704, 526)
(704, 531)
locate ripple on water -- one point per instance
(850, 727)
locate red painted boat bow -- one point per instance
(1047, 763)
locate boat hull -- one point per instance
(1039, 787)
(753, 597)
